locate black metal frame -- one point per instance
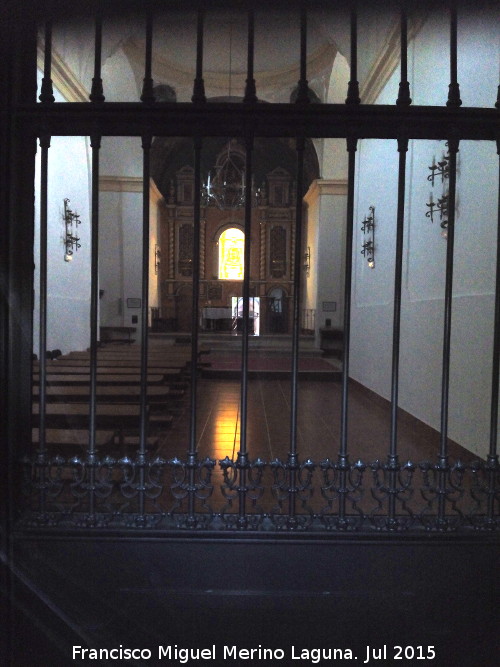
(96, 482)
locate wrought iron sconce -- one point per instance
(440, 206)
(440, 168)
(157, 258)
(307, 261)
(368, 229)
(71, 222)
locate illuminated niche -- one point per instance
(231, 254)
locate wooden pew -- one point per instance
(128, 354)
(165, 372)
(54, 379)
(60, 441)
(69, 437)
(131, 352)
(135, 350)
(117, 416)
(119, 394)
(118, 334)
(117, 363)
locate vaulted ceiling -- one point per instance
(277, 51)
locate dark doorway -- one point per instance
(276, 311)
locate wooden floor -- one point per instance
(318, 424)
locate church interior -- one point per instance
(252, 325)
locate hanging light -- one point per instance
(226, 185)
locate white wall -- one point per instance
(326, 213)
(68, 283)
(425, 252)
(120, 232)
(120, 270)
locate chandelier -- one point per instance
(226, 185)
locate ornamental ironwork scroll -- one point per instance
(439, 207)
(368, 245)
(92, 492)
(71, 240)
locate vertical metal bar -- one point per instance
(396, 327)
(96, 94)
(445, 385)
(143, 423)
(199, 85)
(343, 458)
(303, 88)
(392, 459)
(351, 148)
(353, 86)
(492, 458)
(404, 98)
(454, 88)
(95, 143)
(192, 452)
(42, 447)
(495, 378)
(297, 277)
(147, 95)
(242, 459)
(250, 91)
(47, 92)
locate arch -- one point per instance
(170, 154)
(231, 246)
(277, 310)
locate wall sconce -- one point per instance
(157, 258)
(440, 168)
(440, 206)
(368, 229)
(71, 222)
(307, 261)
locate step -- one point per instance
(161, 421)
(152, 441)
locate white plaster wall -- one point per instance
(120, 238)
(330, 257)
(120, 269)
(334, 156)
(68, 283)
(73, 40)
(425, 256)
(120, 233)
(111, 267)
(477, 62)
(326, 240)
(125, 87)
(132, 254)
(121, 156)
